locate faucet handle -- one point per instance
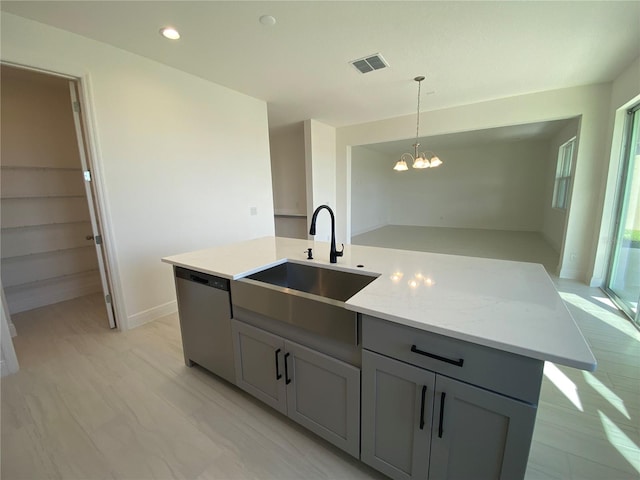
(341, 252)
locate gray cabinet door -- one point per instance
(323, 395)
(481, 434)
(396, 421)
(259, 361)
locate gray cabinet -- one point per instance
(478, 434)
(397, 404)
(317, 391)
(457, 432)
(259, 368)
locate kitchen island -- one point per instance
(444, 377)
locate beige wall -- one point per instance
(498, 186)
(371, 192)
(180, 161)
(289, 180)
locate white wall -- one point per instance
(320, 164)
(625, 93)
(554, 218)
(497, 186)
(591, 102)
(371, 173)
(180, 160)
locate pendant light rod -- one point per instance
(418, 159)
(419, 80)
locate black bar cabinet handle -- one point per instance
(278, 374)
(424, 392)
(287, 380)
(441, 414)
(457, 363)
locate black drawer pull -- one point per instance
(424, 391)
(441, 414)
(287, 380)
(457, 363)
(278, 374)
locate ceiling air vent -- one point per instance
(370, 63)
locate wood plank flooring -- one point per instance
(90, 403)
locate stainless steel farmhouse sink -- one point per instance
(308, 296)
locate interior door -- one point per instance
(623, 282)
(96, 227)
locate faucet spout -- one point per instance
(333, 253)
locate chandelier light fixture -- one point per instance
(418, 159)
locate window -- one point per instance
(563, 175)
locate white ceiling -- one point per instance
(469, 51)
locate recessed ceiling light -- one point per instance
(268, 20)
(170, 33)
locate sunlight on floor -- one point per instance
(606, 393)
(620, 441)
(600, 313)
(563, 383)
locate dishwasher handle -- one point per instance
(197, 279)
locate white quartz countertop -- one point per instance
(510, 306)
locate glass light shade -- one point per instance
(420, 162)
(170, 33)
(401, 166)
(435, 161)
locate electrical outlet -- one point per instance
(253, 211)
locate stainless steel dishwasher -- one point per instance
(204, 307)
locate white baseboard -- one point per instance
(146, 316)
(12, 329)
(571, 274)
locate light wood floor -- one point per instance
(89, 403)
(500, 244)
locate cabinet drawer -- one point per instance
(513, 375)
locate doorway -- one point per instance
(52, 247)
(623, 280)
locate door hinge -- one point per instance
(76, 107)
(87, 175)
(98, 239)
(107, 298)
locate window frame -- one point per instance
(563, 175)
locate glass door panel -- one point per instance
(624, 273)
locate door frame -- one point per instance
(623, 175)
(94, 164)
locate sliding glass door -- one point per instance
(623, 282)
